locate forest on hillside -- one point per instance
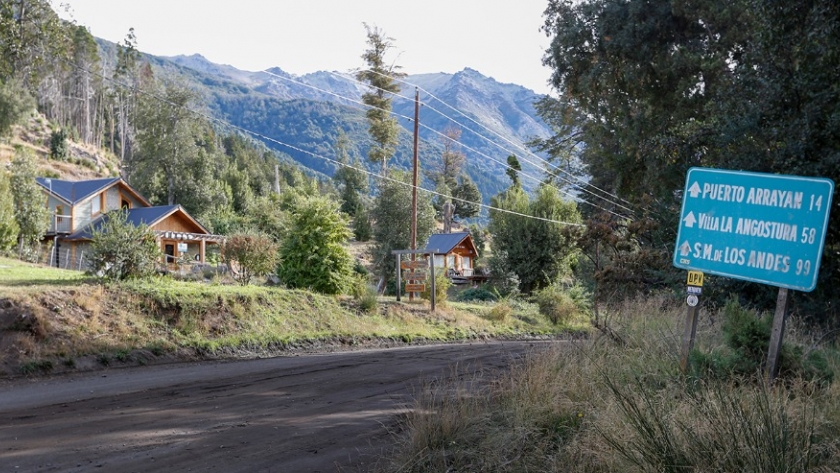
(645, 90)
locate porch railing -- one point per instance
(61, 224)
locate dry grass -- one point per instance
(592, 406)
(57, 318)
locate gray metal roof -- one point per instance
(137, 216)
(75, 191)
(445, 242)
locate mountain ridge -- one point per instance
(496, 119)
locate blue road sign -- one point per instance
(765, 228)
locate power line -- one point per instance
(264, 137)
(584, 185)
(433, 130)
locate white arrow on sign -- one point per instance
(685, 248)
(690, 220)
(694, 190)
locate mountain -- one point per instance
(302, 115)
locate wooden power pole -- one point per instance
(416, 170)
(414, 178)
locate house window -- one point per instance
(59, 213)
(96, 205)
(125, 204)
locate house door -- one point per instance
(169, 250)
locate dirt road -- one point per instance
(317, 413)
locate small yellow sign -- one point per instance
(415, 287)
(695, 278)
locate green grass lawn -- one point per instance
(18, 274)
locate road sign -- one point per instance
(415, 287)
(695, 278)
(765, 228)
(415, 275)
(692, 300)
(696, 290)
(419, 264)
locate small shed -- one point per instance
(456, 253)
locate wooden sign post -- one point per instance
(415, 272)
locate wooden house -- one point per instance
(456, 255)
(79, 208)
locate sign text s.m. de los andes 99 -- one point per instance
(765, 228)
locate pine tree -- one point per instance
(383, 128)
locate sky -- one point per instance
(498, 38)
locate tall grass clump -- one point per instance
(746, 338)
(442, 285)
(364, 294)
(595, 405)
(562, 305)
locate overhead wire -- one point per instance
(424, 126)
(273, 140)
(503, 164)
(584, 185)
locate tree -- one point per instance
(451, 160)
(656, 87)
(468, 198)
(513, 170)
(176, 161)
(249, 255)
(31, 37)
(8, 224)
(349, 178)
(527, 241)
(15, 105)
(166, 140)
(391, 214)
(31, 211)
(119, 249)
(125, 95)
(383, 128)
(479, 236)
(313, 253)
(362, 228)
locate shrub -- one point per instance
(58, 144)
(477, 294)
(561, 305)
(500, 312)
(442, 285)
(313, 254)
(249, 255)
(119, 249)
(364, 294)
(746, 338)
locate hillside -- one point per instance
(82, 161)
(306, 112)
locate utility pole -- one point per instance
(414, 179)
(416, 170)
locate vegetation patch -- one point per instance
(140, 320)
(596, 406)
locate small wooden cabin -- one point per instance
(456, 255)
